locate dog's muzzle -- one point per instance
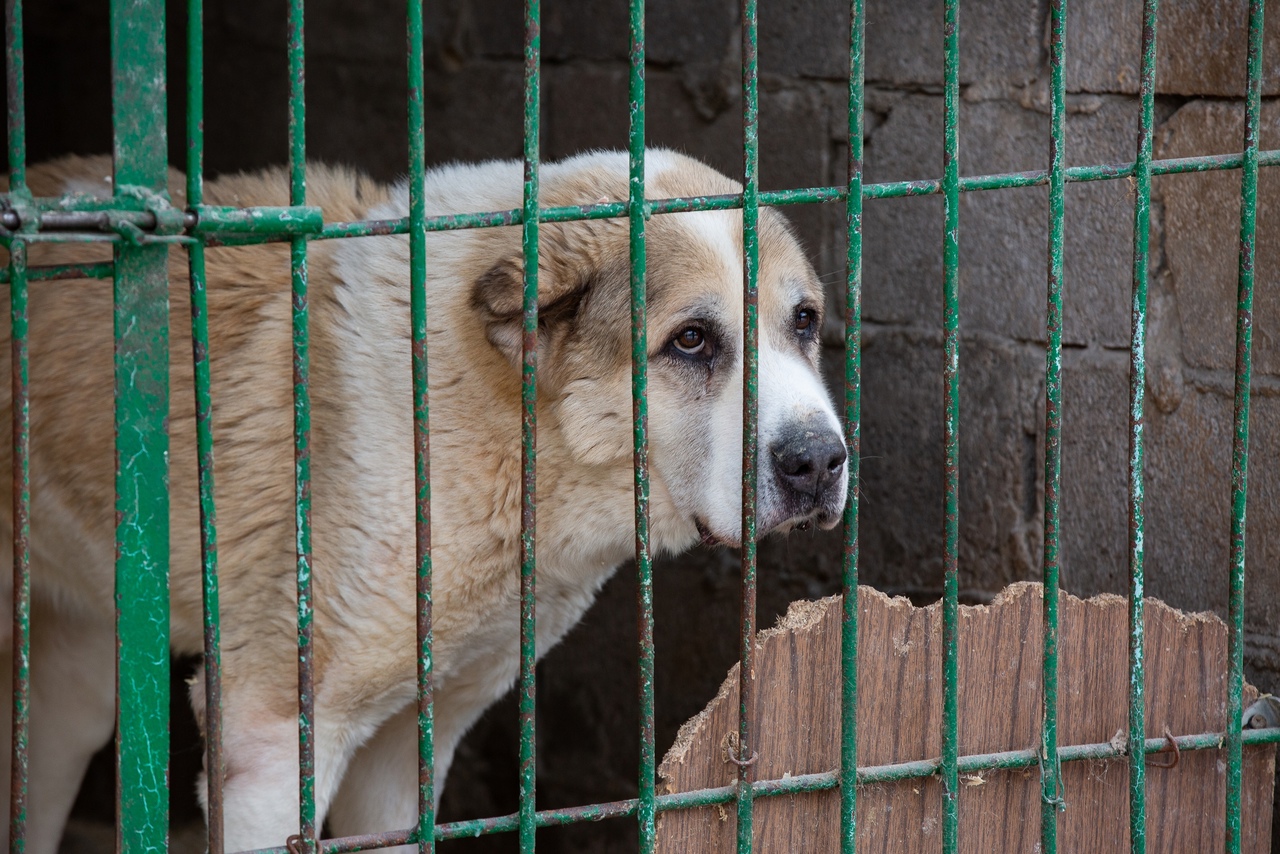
(808, 464)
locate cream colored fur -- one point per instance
(363, 471)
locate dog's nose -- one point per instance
(809, 461)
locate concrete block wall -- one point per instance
(356, 114)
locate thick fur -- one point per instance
(363, 469)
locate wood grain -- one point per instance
(796, 719)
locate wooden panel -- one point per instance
(797, 720)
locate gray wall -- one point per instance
(356, 114)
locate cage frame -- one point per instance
(141, 225)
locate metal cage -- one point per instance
(141, 225)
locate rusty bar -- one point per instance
(18, 769)
(425, 833)
(746, 758)
(529, 431)
(302, 434)
(852, 437)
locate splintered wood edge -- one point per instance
(803, 615)
(807, 615)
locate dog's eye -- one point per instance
(691, 341)
(805, 320)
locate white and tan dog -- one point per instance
(363, 470)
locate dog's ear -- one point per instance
(572, 259)
(583, 331)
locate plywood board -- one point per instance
(796, 719)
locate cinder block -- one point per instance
(1201, 47)
(1094, 496)
(998, 40)
(902, 452)
(1187, 487)
(1201, 242)
(1003, 233)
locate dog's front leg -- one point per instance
(380, 790)
(261, 786)
(72, 716)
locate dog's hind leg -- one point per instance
(72, 693)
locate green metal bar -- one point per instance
(636, 210)
(16, 94)
(87, 213)
(141, 321)
(215, 771)
(1240, 443)
(56, 272)
(1137, 394)
(295, 220)
(18, 350)
(852, 437)
(529, 425)
(951, 425)
(243, 226)
(750, 390)
(1050, 769)
(239, 226)
(426, 834)
(302, 432)
(140, 239)
(17, 277)
(815, 782)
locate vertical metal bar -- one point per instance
(302, 431)
(1137, 393)
(1240, 444)
(21, 545)
(421, 428)
(1050, 766)
(528, 424)
(852, 439)
(16, 92)
(951, 422)
(750, 390)
(141, 321)
(214, 771)
(21, 673)
(646, 812)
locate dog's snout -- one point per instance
(809, 461)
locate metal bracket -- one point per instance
(168, 219)
(19, 214)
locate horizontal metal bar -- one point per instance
(101, 270)
(236, 226)
(142, 238)
(282, 220)
(97, 220)
(971, 764)
(203, 219)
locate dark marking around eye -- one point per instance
(806, 322)
(696, 344)
(691, 341)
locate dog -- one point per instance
(363, 467)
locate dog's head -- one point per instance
(694, 286)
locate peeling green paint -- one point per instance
(140, 226)
(142, 442)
